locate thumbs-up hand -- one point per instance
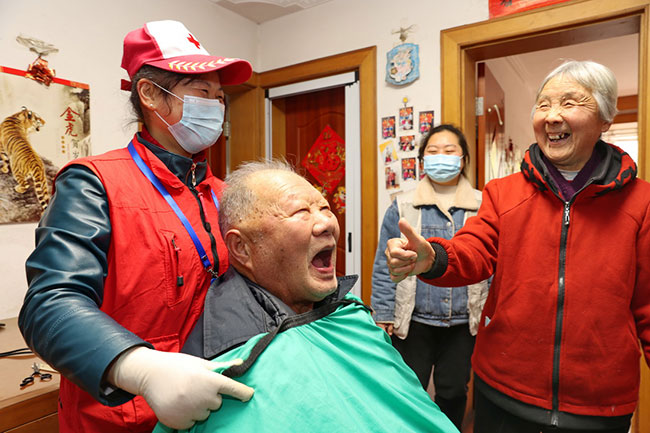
(408, 255)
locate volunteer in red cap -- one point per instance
(128, 246)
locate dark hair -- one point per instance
(445, 127)
(165, 79)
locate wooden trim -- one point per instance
(561, 24)
(625, 118)
(556, 25)
(248, 141)
(278, 127)
(323, 67)
(628, 107)
(627, 103)
(477, 153)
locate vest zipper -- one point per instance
(179, 278)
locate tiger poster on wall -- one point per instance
(41, 129)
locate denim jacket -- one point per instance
(435, 306)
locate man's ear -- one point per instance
(239, 249)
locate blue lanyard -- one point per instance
(144, 168)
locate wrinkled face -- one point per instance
(567, 123)
(294, 247)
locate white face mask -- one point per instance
(201, 123)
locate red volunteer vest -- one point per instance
(150, 254)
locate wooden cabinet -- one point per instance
(32, 409)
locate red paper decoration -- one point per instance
(505, 7)
(40, 71)
(325, 160)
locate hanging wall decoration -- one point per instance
(392, 182)
(403, 64)
(506, 7)
(387, 150)
(426, 121)
(339, 200)
(42, 127)
(403, 61)
(326, 159)
(406, 118)
(39, 70)
(388, 127)
(407, 143)
(408, 169)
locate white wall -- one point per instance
(89, 35)
(519, 101)
(345, 25)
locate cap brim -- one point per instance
(231, 71)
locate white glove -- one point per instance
(181, 389)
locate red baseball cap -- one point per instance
(170, 46)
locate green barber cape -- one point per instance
(337, 373)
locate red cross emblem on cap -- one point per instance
(194, 41)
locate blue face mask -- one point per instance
(201, 123)
(442, 168)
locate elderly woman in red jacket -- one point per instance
(568, 241)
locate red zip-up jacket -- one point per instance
(570, 297)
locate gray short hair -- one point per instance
(238, 199)
(596, 78)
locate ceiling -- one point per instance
(265, 10)
(620, 54)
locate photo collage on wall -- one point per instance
(401, 136)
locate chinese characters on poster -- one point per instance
(43, 127)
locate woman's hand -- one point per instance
(181, 389)
(388, 327)
(410, 256)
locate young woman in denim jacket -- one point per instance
(433, 326)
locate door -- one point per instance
(314, 124)
(492, 151)
(314, 131)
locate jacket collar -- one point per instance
(236, 309)
(425, 194)
(616, 169)
(173, 169)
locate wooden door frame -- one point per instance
(247, 135)
(557, 25)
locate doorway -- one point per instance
(519, 76)
(247, 139)
(314, 125)
(553, 26)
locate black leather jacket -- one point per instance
(60, 318)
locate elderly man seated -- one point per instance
(311, 350)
